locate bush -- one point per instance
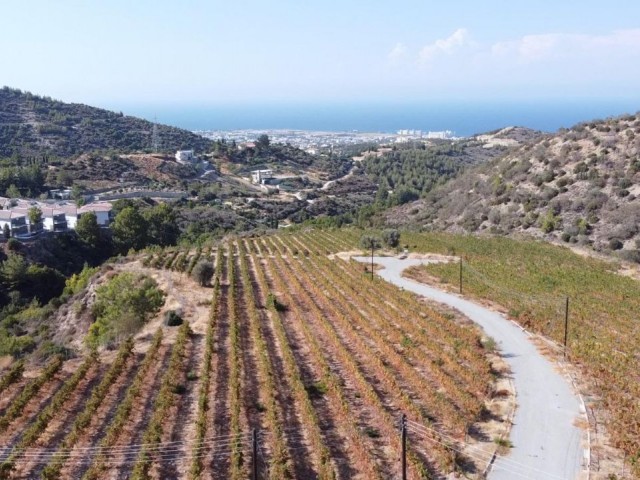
(391, 238)
(369, 242)
(273, 302)
(123, 305)
(630, 255)
(549, 222)
(172, 318)
(615, 244)
(14, 245)
(202, 273)
(179, 389)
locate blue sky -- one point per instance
(116, 53)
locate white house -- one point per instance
(17, 222)
(185, 156)
(102, 211)
(60, 194)
(259, 176)
(70, 215)
(56, 216)
(23, 211)
(54, 220)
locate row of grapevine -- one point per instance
(171, 382)
(13, 375)
(31, 434)
(311, 427)
(123, 412)
(353, 366)
(340, 404)
(84, 418)
(235, 400)
(279, 464)
(194, 260)
(205, 372)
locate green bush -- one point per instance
(203, 272)
(172, 318)
(14, 245)
(615, 244)
(273, 302)
(122, 306)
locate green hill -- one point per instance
(35, 126)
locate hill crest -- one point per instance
(581, 185)
(33, 126)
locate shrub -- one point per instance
(630, 255)
(14, 245)
(615, 244)
(273, 302)
(172, 318)
(369, 242)
(179, 389)
(391, 238)
(202, 273)
(123, 305)
(549, 222)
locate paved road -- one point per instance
(546, 444)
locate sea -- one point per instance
(463, 118)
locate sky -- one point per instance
(120, 53)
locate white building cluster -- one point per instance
(412, 133)
(186, 156)
(261, 176)
(443, 135)
(56, 216)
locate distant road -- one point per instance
(546, 443)
(327, 185)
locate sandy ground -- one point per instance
(5, 362)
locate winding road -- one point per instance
(547, 445)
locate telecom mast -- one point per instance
(155, 136)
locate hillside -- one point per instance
(412, 170)
(286, 342)
(580, 185)
(32, 125)
(282, 158)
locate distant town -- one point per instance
(313, 140)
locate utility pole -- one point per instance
(372, 246)
(460, 289)
(566, 324)
(254, 442)
(403, 437)
(155, 136)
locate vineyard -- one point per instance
(303, 368)
(533, 280)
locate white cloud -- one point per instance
(445, 46)
(571, 63)
(398, 54)
(539, 47)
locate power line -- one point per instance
(478, 456)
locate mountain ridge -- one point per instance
(33, 126)
(581, 185)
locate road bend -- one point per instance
(547, 444)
